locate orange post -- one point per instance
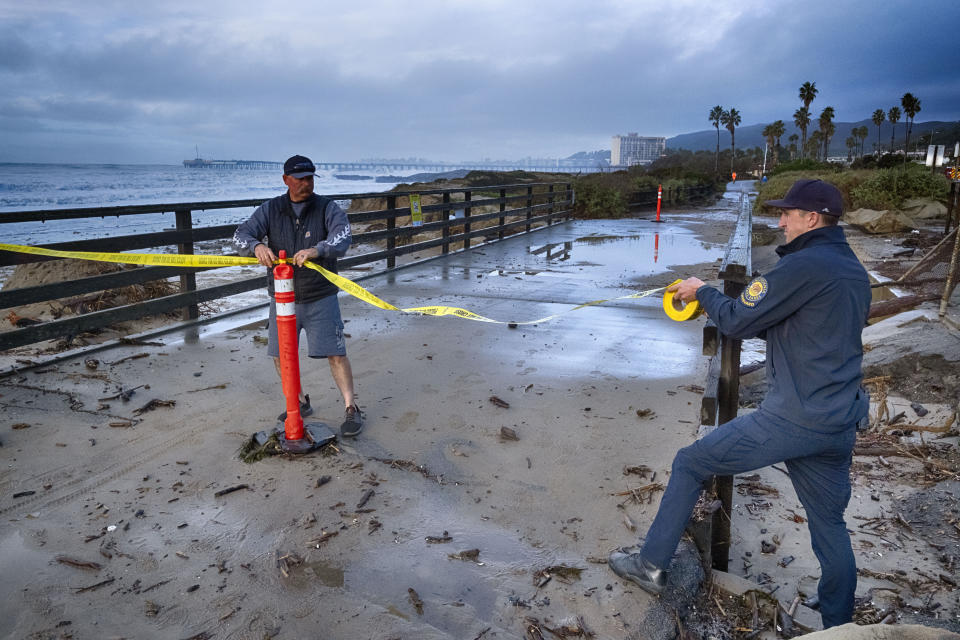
(659, 198)
(656, 246)
(287, 342)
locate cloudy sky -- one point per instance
(147, 82)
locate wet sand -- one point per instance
(589, 393)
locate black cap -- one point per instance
(811, 195)
(298, 167)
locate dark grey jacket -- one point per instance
(322, 224)
(811, 308)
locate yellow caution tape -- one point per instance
(347, 285)
(688, 312)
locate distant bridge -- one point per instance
(199, 163)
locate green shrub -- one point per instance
(595, 200)
(888, 188)
(806, 165)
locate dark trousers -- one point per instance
(819, 466)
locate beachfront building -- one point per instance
(631, 149)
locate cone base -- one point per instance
(315, 435)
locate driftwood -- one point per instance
(892, 307)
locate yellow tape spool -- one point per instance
(688, 312)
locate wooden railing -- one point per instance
(459, 215)
(721, 396)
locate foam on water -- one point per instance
(28, 187)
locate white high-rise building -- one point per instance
(631, 149)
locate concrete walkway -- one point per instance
(590, 393)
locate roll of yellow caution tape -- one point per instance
(679, 313)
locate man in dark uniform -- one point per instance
(307, 227)
(810, 308)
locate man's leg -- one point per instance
(343, 377)
(822, 483)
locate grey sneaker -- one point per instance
(352, 422)
(305, 409)
(628, 563)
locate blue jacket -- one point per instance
(811, 308)
(322, 224)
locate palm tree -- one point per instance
(808, 91)
(715, 115)
(731, 120)
(864, 132)
(813, 144)
(911, 107)
(827, 128)
(771, 138)
(779, 128)
(878, 117)
(894, 117)
(801, 118)
(793, 145)
(851, 145)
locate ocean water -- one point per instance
(30, 187)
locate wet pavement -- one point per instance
(589, 393)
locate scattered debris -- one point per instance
(20, 425)
(563, 573)
(471, 555)
(123, 394)
(224, 492)
(153, 404)
(23, 494)
(216, 386)
(365, 498)
(91, 363)
(286, 561)
(639, 470)
(646, 413)
(135, 356)
(324, 536)
(446, 537)
(79, 564)
(508, 434)
(503, 404)
(373, 525)
(415, 600)
(322, 480)
(94, 586)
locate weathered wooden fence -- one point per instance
(722, 389)
(452, 218)
(671, 196)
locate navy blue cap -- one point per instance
(811, 195)
(298, 167)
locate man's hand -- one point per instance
(264, 255)
(686, 291)
(305, 254)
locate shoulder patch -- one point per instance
(754, 292)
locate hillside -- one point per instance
(751, 135)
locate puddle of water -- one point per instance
(21, 564)
(653, 251)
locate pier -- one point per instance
(559, 167)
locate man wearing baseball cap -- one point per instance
(307, 227)
(810, 308)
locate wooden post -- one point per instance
(550, 210)
(503, 207)
(467, 197)
(188, 281)
(570, 199)
(529, 204)
(391, 226)
(446, 223)
(953, 206)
